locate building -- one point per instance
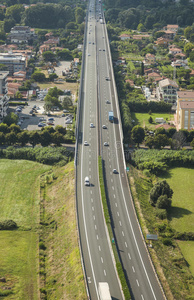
(4, 99)
(150, 59)
(15, 63)
(162, 42)
(21, 34)
(185, 109)
(125, 36)
(172, 27)
(167, 91)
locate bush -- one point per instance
(167, 241)
(8, 225)
(42, 246)
(161, 214)
(163, 202)
(161, 188)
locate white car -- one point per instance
(114, 171)
(104, 127)
(105, 144)
(91, 125)
(86, 143)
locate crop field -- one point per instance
(142, 119)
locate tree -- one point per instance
(188, 48)
(57, 138)
(14, 128)
(11, 118)
(163, 202)
(15, 12)
(8, 24)
(23, 137)
(45, 138)
(18, 95)
(160, 141)
(11, 138)
(150, 120)
(50, 102)
(138, 134)
(141, 27)
(159, 189)
(60, 129)
(2, 138)
(192, 143)
(171, 131)
(79, 15)
(49, 56)
(34, 138)
(4, 128)
(149, 142)
(66, 102)
(38, 76)
(52, 76)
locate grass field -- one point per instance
(19, 191)
(182, 211)
(18, 264)
(73, 86)
(142, 118)
(187, 248)
(64, 279)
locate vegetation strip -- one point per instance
(108, 223)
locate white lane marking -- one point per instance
(111, 180)
(142, 297)
(89, 169)
(90, 162)
(104, 272)
(97, 237)
(129, 255)
(91, 192)
(93, 208)
(126, 208)
(133, 269)
(114, 196)
(125, 244)
(102, 260)
(117, 213)
(95, 227)
(94, 218)
(123, 233)
(113, 188)
(91, 199)
(115, 204)
(99, 248)
(137, 282)
(120, 223)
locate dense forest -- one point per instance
(152, 14)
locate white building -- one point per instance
(167, 91)
(21, 34)
(15, 63)
(4, 99)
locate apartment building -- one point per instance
(15, 63)
(4, 99)
(21, 34)
(167, 91)
(185, 110)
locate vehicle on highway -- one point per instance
(87, 181)
(108, 78)
(103, 49)
(86, 143)
(114, 171)
(91, 125)
(88, 54)
(104, 291)
(104, 126)
(105, 144)
(99, 49)
(107, 102)
(110, 116)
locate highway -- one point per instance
(133, 253)
(97, 257)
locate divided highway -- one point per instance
(97, 257)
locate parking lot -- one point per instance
(30, 121)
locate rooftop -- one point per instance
(186, 94)
(166, 82)
(186, 104)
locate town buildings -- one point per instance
(13, 62)
(21, 34)
(4, 99)
(185, 110)
(167, 91)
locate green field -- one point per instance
(18, 264)
(187, 249)
(142, 118)
(182, 211)
(19, 191)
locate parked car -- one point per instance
(41, 124)
(51, 119)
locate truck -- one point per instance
(111, 116)
(104, 292)
(101, 21)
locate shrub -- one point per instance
(42, 246)
(163, 202)
(8, 225)
(159, 189)
(167, 241)
(161, 214)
